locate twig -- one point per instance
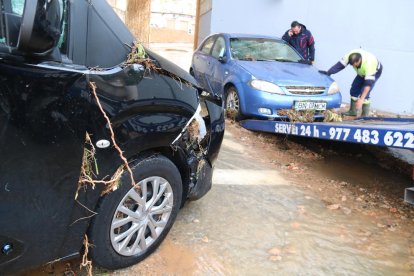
(93, 213)
(85, 261)
(121, 155)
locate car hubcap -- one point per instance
(232, 101)
(141, 216)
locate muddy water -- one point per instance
(255, 222)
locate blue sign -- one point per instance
(372, 133)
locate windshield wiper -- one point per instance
(284, 60)
(276, 59)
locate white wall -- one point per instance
(382, 27)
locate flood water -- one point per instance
(254, 221)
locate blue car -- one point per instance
(261, 77)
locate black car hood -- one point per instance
(172, 68)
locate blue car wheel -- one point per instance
(233, 104)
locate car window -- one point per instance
(62, 42)
(11, 13)
(17, 6)
(262, 49)
(207, 45)
(2, 38)
(219, 47)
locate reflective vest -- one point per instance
(369, 65)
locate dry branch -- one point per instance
(85, 261)
(121, 155)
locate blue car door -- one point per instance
(216, 72)
(201, 62)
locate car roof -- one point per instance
(242, 35)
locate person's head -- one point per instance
(295, 27)
(355, 59)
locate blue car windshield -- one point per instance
(262, 49)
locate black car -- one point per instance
(52, 54)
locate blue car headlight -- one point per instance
(266, 86)
(333, 89)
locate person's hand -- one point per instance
(290, 32)
(359, 104)
(313, 62)
(324, 72)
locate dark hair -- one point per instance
(295, 24)
(354, 58)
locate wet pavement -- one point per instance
(257, 221)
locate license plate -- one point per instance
(309, 105)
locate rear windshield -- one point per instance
(262, 49)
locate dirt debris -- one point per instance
(300, 158)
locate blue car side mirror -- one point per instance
(222, 59)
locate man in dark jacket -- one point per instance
(302, 40)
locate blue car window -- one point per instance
(262, 49)
(207, 45)
(218, 48)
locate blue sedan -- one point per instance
(261, 77)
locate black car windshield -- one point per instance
(262, 49)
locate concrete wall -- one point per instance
(205, 20)
(380, 26)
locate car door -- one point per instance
(201, 62)
(216, 67)
(43, 115)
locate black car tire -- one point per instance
(103, 252)
(232, 107)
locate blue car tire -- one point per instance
(233, 110)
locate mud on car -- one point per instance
(169, 130)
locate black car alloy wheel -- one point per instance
(132, 221)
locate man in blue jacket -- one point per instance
(302, 40)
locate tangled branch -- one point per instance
(85, 261)
(121, 155)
